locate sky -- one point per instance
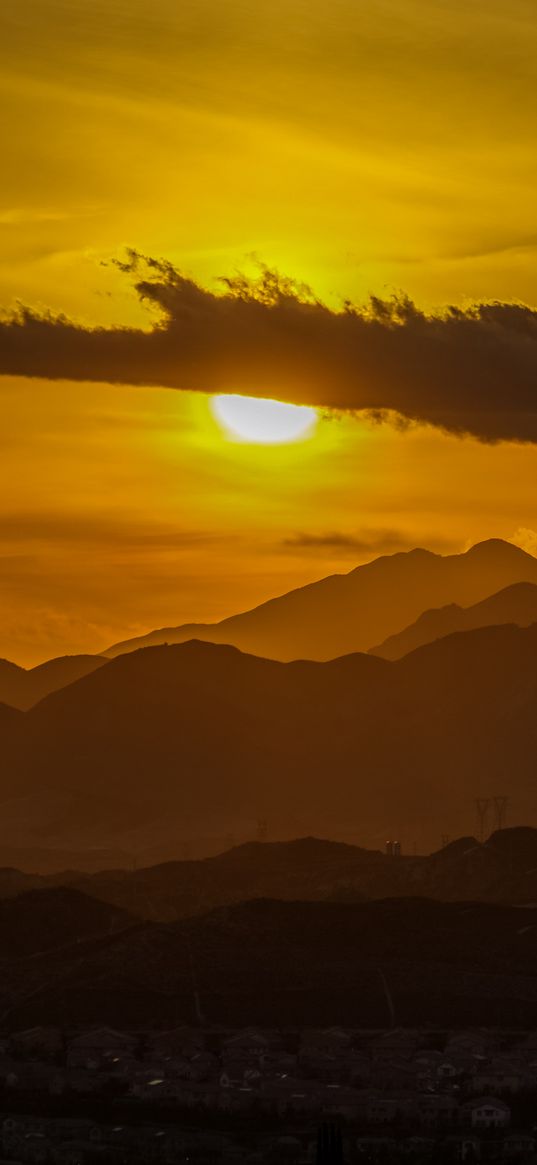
(382, 149)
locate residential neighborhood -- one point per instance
(77, 1097)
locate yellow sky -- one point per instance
(361, 147)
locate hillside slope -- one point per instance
(42, 920)
(292, 964)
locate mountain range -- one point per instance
(169, 743)
(306, 933)
(143, 754)
(501, 870)
(353, 612)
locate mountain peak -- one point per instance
(497, 548)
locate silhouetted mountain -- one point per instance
(502, 870)
(352, 612)
(514, 604)
(21, 688)
(41, 920)
(174, 742)
(292, 964)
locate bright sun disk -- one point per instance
(262, 422)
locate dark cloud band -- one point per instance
(467, 371)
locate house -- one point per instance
(330, 1039)
(359, 1066)
(68, 1128)
(378, 1108)
(326, 1054)
(279, 1063)
(527, 1048)
(155, 1088)
(486, 1113)
(496, 1076)
(102, 1048)
(399, 1044)
(77, 1153)
(464, 1148)
(519, 1144)
(83, 1082)
(434, 1072)
(21, 1126)
(178, 1043)
(437, 1110)
(394, 1075)
(375, 1148)
(204, 1066)
(248, 1044)
(25, 1139)
(472, 1044)
(447, 1072)
(425, 1065)
(286, 1149)
(177, 1066)
(290, 1094)
(37, 1043)
(339, 1100)
(33, 1076)
(232, 1075)
(418, 1147)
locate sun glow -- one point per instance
(263, 422)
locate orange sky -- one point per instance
(363, 148)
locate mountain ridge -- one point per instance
(341, 614)
(22, 687)
(216, 739)
(516, 604)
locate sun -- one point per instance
(263, 422)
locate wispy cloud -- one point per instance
(371, 542)
(73, 529)
(466, 371)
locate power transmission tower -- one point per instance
(262, 830)
(482, 805)
(445, 840)
(500, 806)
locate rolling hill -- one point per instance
(353, 612)
(514, 604)
(48, 919)
(291, 964)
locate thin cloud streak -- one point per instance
(371, 542)
(469, 371)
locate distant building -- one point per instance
(487, 1113)
(101, 1048)
(185, 1042)
(37, 1042)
